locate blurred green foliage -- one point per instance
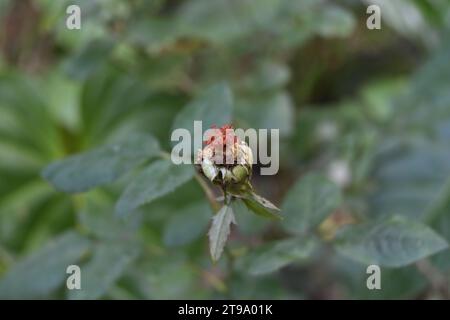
(364, 118)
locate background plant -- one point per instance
(364, 120)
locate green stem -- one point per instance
(206, 189)
(208, 192)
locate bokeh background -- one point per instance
(369, 109)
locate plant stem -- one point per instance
(206, 189)
(208, 192)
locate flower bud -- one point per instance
(225, 159)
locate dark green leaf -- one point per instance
(214, 106)
(268, 111)
(169, 277)
(394, 242)
(276, 255)
(410, 178)
(309, 202)
(399, 283)
(156, 180)
(187, 225)
(89, 58)
(100, 223)
(38, 275)
(101, 166)
(107, 264)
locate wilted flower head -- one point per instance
(225, 159)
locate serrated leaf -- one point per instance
(214, 106)
(108, 262)
(219, 231)
(154, 181)
(187, 225)
(309, 202)
(276, 255)
(39, 274)
(394, 242)
(261, 206)
(102, 165)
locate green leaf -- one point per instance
(219, 231)
(100, 166)
(394, 242)
(214, 106)
(309, 202)
(107, 264)
(187, 225)
(169, 277)
(98, 222)
(156, 180)
(411, 178)
(334, 22)
(268, 111)
(399, 283)
(261, 206)
(89, 58)
(274, 256)
(109, 99)
(39, 274)
(222, 21)
(155, 33)
(25, 199)
(25, 196)
(269, 75)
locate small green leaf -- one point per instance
(261, 206)
(39, 274)
(394, 242)
(214, 106)
(309, 202)
(107, 264)
(100, 166)
(276, 255)
(219, 231)
(154, 181)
